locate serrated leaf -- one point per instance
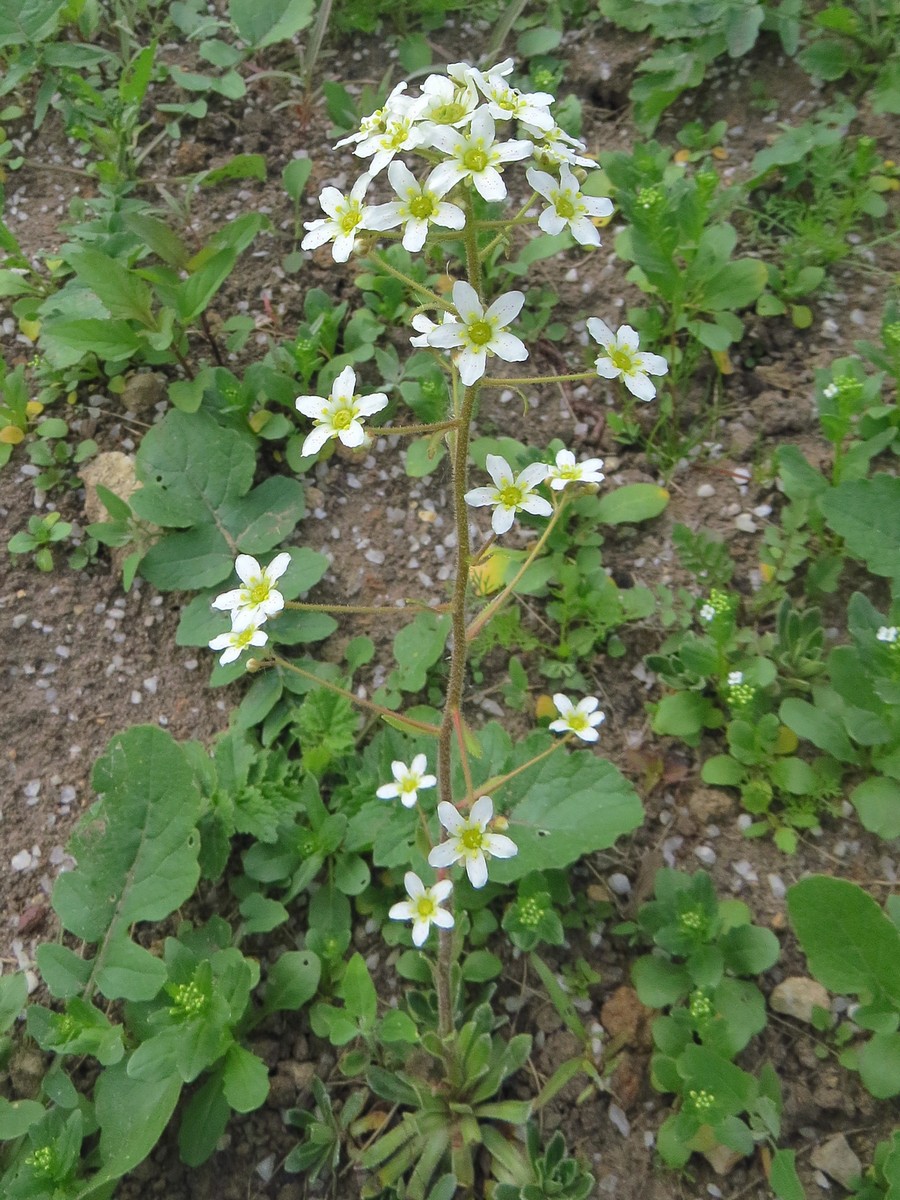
(262, 25)
(123, 293)
(866, 513)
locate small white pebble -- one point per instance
(705, 854)
(619, 1120)
(21, 861)
(619, 884)
(705, 491)
(777, 886)
(745, 523)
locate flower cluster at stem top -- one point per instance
(458, 125)
(250, 605)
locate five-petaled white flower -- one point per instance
(258, 598)
(236, 641)
(735, 678)
(423, 907)
(474, 154)
(448, 101)
(621, 358)
(506, 103)
(580, 719)
(396, 105)
(420, 205)
(469, 841)
(566, 470)
(407, 781)
(399, 133)
(511, 493)
(888, 633)
(340, 415)
(554, 147)
(346, 217)
(568, 208)
(478, 333)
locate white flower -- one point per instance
(623, 360)
(469, 841)
(830, 392)
(448, 101)
(480, 333)
(506, 103)
(735, 678)
(707, 613)
(396, 105)
(509, 494)
(399, 133)
(475, 155)
(554, 147)
(566, 470)
(423, 906)
(426, 326)
(236, 641)
(258, 599)
(346, 217)
(407, 781)
(340, 415)
(888, 633)
(581, 718)
(567, 206)
(420, 206)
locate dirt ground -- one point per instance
(83, 660)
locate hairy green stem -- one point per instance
(432, 297)
(523, 381)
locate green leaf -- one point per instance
(203, 1122)
(827, 58)
(67, 341)
(722, 771)
(129, 971)
(749, 949)
(879, 1065)
(821, 728)
(660, 982)
(852, 946)
(783, 1178)
(734, 1089)
(28, 23)
(292, 981)
(194, 294)
(877, 802)
(136, 851)
(158, 237)
(295, 176)
(632, 503)
(417, 647)
(357, 991)
(17, 1117)
(196, 558)
(242, 166)
(866, 513)
(65, 972)
(245, 1079)
(263, 519)
(132, 1115)
(261, 25)
(123, 293)
(13, 994)
(683, 715)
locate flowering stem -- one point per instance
(463, 754)
(412, 430)
(504, 226)
(476, 626)
(387, 713)
(483, 551)
(488, 381)
(433, 297)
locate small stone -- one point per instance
(797, 996)
(722, 1159)
(710, 805)
(705, 491)
(745, 523)
(21, 861)
(837, 1159)
(620, 884)
(619, 1120)
(143, 392)
(112, 470)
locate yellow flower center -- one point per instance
(622, 358)
(578, 722)
(572, 472)
(349, 219)
(342, 418)
(409, 784)
(425, 908)
(421, 207)
(241, 640)
(510, 496)
(394, 139)
(258, 591)
(508, 101)
(472, 839)
(446, 114)
(480, 333)
(564, 205)
(475, 160)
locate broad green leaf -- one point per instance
(852, 946)
(866, 514)
(734, 285)
(123, 293)
(17, 1117)
(879, 1065)
(632, 503)
(703, 1068)
(417, 647)
(821, 728)
(203, 1122)
(158, 237)
(129, 971)
(877, 801)
(195, 293)
(184, 561)
(65, 972)
(292, 981)
(245, 1079)
(357, 991)
(262, 25)
(295, 175)
(242, 166)
(660, 982)
(67, 341)
(25, 24)
(262, 520)
(783, 1178)
(136, 851)
(13, 994)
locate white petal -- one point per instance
(476, 869)
(414, 235)
(402, 911)
(600, 332)
(247, 568)
(414, 885)
(505, 308)
(345, 384)
(584, 232)
(343, 247)
(383, 216)
(588, 705)
(500, 846)
(533, 474)
(441, 891)
(466, 301)
(564, 705)
(367, 406)
(479, 497)
(444, 855)
(653, 364)
(278, 565)
(388, 791)
(408, 799)
(442, 918)
(515, 150)
(316, 440)
(310, 406)
(502, 519)
(587, 735)
(450, 817)
(483, 126)
(402, 179)
(418, 764)
(499, 470)
(626, 336)
(220, 641)
(420, 932)
(447, 337)
(227, 600)
(320, 232)
(565, 458)
(639, 385)
(470, 364)
(445, 175)
(537, 506)
(354, 435)
(542, 183)
(551, 222)
(508, 347)
(489, 184)
(482, 811)
(331, 200)
(607, 369)
(449, 216)
(598, 206)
